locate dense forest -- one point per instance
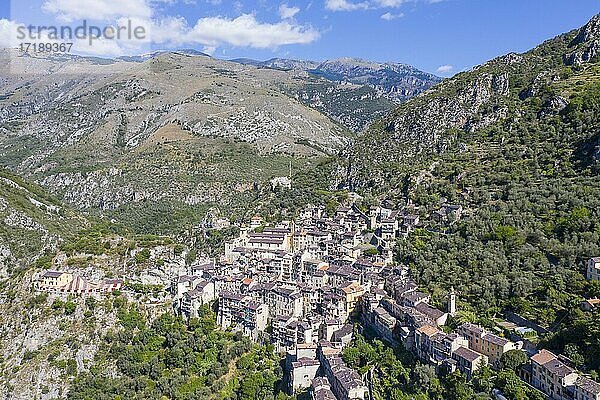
(531, 191)
(171, 359)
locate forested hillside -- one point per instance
(515, 142)
(171, 359)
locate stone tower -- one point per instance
(452, 302)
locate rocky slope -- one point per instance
(352, 105)
(280, 63)
(32, 223)
(394, 81)
(353, 92)
(397, 82)
(47, 339)
(499, 91)
(176, 130)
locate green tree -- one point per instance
(511, 385)
(90, 303)
(483, 379)
(457, 387)
(513, 359)
(422, 377)
(572, 352)
(70, 307)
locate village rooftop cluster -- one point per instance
(300, 285)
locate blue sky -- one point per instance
(428, 34)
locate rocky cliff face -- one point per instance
(397, 82)
(434, 121)
(43, 342)
(586, 45)
(352, 105)
(183, 129)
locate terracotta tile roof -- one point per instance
(543, 357)
(247, 281)
(428, 330)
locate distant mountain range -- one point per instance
(394, 81)
(397, 82)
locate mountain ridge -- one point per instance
(431, 122)
(395, 81)
(171, 129)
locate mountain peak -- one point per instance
(361, 62)
(586, 44)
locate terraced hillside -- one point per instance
(515, 144)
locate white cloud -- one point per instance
(345, 5)
(13, 34)
(103, 47)
(167, 31)
(389, 16)
(71, 10)
(171, 30)
(6, 33)
(243, 31)
(246, 31)
(287, 12)
(210, 32)
(444, 69)
(352, 5)
(390, 3)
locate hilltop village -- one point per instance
(301, 285)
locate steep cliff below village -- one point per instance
(46, 339)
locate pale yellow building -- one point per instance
(52, 280)
(353, 292)
(488, 344)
